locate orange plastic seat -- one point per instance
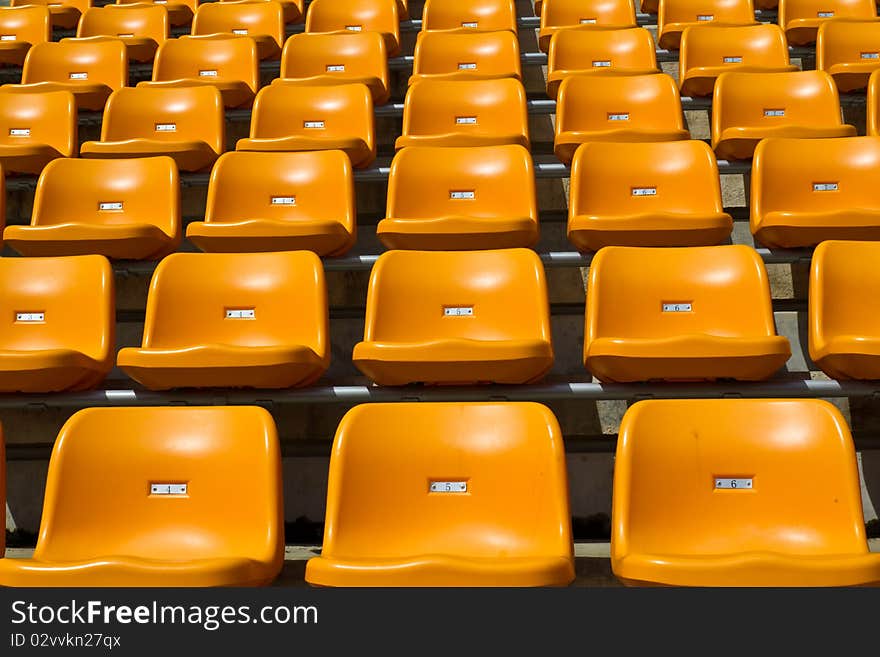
(453, 317)
(706, 53)
(307, 118)
(462, 15)
(801, 18)
(117, 208)
(700, 312)
(749, 107)
(466, 56)
(35, 129)
(21, 28)
(142, 28)
(292, 10)
(465, 113)
(599, 52)
(233, 320)
(357, 16)
(279, 202)
(180, 12)
(185, 123)
(872, 110)
(228, 63)
(674, 16)
(261, 21)
(558, 15)
(653, 194)
(91, 69)
(438, 511)
(64, 13)
(460, 198)
(180, 497)
(57, 331)
(625, 108)
(738, 492)
(849, 51)
(331, 59)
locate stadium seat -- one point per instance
(674, 16)
(279, 202)
(331, 59)
(261, 21)
(749, 107)
(599, 52)
(35, 129)
(460, 198)
(466, 56)
(57, 331)
(844, 336)
(309, 118)
(452, 317)
(90, 69)
(617, 109)
(462, 15)
(233, 320)
(228, 63)
(873, 105)
(292, 10)
(180, 12)
(142, 28)
(805, 191)
(557, 15)
(357, 16)
(465, 113)
(801, 18)
(849, 51)
(65, 14)
(440, 511)
(116, 208)
(185, 123)
(691, 313)
(706, 53)
(181, 497)
(646, 194)
(738, 492)
(21, 28)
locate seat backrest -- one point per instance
(419, 296)
(705, 12)
(558, 13)
(282, 187)
(109, 192)
(71, 60)
(678, 460)
(847, 42)
(635, 292)
(872, 106)
(238, 299)
(356, 16)
(241, 19)
(749, 45)
(192, 4)
(82, 5)
(618, 102)
(125, 22)
(58, 303)
(387, 493)
(207, 58)
(39, 118)
(112, 492)
(790, 10)
(478, 53)
(572, 50)
(31, 24)
(166, 114)
(483, 15)
(351, 55)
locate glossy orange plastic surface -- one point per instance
(460, 198)
(57, 333)
(279, 202)
(35, 129)
(849, 51)
(142, 28)
(708, 52)
(749, 107)
(108, 519)
(357, 16)
(180, 12)
(117, 208)
(331, 59)
(21, 28)
(793, 519)
(391, 522)
(805, 191)
(558, 15)
(801, 18)
(314, 118)
(599, 52)
(185, 123)
(701, 312)
(466, 56)
(465, 113)
(465, 15)
(641, 108)
(293, 10)
(261, 21)
(675, 16)
(654, 194)
(65, 13)
(233, 320)
(456, 317)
